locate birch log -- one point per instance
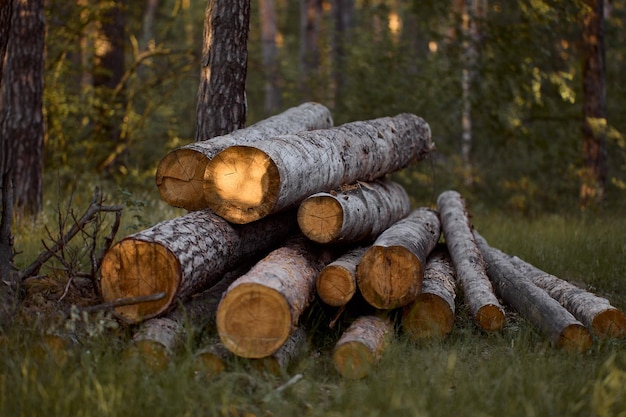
(261, 308)
(595, 312)
(431, 314)
(180, 173)
(360, 347)
(182, 256)
(391, 271)
(336, 283)
(549, 317)
(468, 262)
(354, 213)
(246, 183)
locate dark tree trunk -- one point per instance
(6, 8)
(270, 55)
(343, 11)
(221, 106)
(594, 173)
(310, 15)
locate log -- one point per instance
(153, 345)
(596, 313)
(212, 360)
(484, 307)
(431, 314)
(182, 256)
(246, 183)
(278, 362)
(180, 173)
(391, 271)
(549, 317)
(360, 347)
(261, 308)
(336, 283)
(354, 213)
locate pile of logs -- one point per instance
(292, 209)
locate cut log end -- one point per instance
(389, 277)
(208, 364)
(335, 285)
(353, 360)
(241, 184)
(253, 320)
(320, 218)
(575, 339)
(428, 317)
(123, 276)
(609, 324)
(180, 178)
(153, 355)
(490, 318)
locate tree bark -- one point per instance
(269, 50)
(245, 183)
(431, 315)
(468, 262)
(354, 213)
(360, 347)
(222, 105)
(262, 308)
(336, 283)
(596, 313)
(181, 257)
(6, 11)
(390, 273)
(180, 174)
(549, 317)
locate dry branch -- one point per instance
(336, 283)
(246, 183)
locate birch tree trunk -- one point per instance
(391, 271)
(180, 174)
(262, 308)
(431, 314)
(181, 257)
(549, 317)
(468, 262)
(336, 283)
(357, 212)
(246, 183)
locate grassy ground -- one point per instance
(512, 373)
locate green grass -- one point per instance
(471, 373)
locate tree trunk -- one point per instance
(357, 212)
(180, 174)
(343, 11)
(310, 16)
(549, 317)
(181, 257)
(6, 11)
(269, 50)
(468, 262)
(390, 273)
(262, 308)
(245, 183)
(222, 105)
(596, 313)
(431, 315)
(594, 172)
(336, 283)
(360, 347)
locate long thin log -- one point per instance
(360, 347)
(595, 312)
(390, 273)
(354, 213)
(336, 283)
(246, 183)
(431, 314)
(468, 262)
(549, 317)
(261, 308)
(180, 173)
(183, 256)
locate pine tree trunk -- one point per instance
(596, 313)
(360, 347)
(390, 273)
(180, 174)
(549, 317)
(261, 309)
(336, 283)
(181, 257)
(431, 315)
(468, 262)
(358, 212)
(245, 183)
